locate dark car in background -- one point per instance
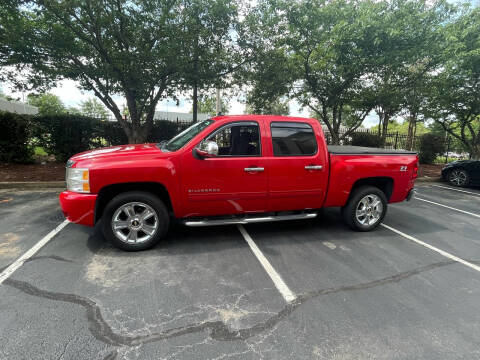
(462, 173)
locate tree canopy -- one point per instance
(139, 49)
(207, 104)
(340, 59)
(47, 104)
(93, 108)
(454, 101)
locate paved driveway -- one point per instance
(304, 289)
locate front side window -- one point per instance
(238, 139)
(293, 138)
(185, 136)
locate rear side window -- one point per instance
(293, 138)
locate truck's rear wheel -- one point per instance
(135, 220)
(365, 209)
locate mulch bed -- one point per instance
(433, 171)
(49, 171)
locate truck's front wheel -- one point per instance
(365, 209)
(135, 220)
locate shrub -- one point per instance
(365, 139)
(431, 146)
(164, 130)
(66, 135)
(113, 133)
(15, 133)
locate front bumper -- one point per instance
(78, 208)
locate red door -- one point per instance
(233, 182)
(298, 167)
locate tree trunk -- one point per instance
(195, 101)
(380, 121)
(136, 137)
(136, 133)
(386, 118)
(411, 124)
(475, 152)
(335, 138)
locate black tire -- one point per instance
(153, 202)
(458, 177)
(349, 210)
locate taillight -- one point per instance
(415, 171)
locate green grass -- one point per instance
(39, 151)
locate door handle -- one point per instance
(254, 169)
(313, 167)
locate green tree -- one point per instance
(214, 52)
(455, 101)
(344, 58)
(93, 108)
(136, 49)
(323, 48)
(47, 104)
(273, 107)
(402, 127)
(207, 104)
(405, 36)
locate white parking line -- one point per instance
(19, 262)
(450, 188)
(428, 246)
(287, 294)
(448, 207)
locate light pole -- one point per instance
(219, 103)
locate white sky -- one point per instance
(71, 95)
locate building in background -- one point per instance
(178, 116)
(17, 107)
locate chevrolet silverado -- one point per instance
(232, 170)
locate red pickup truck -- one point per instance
(232, 170)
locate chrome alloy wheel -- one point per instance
(134, 222)
(369, 210)
(457, 177)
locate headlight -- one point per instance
(78, 180)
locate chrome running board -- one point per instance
(252, 220)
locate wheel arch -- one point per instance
(108, 192)
(384, 183)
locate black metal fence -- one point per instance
(393, 141)
(397, 141)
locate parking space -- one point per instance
(25, 217)
(217, 293)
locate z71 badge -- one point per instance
(403, 168)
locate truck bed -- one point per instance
(349, 164)
(359, 150)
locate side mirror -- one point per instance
(207, 149)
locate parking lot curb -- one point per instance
(33, 185)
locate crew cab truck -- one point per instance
(229, 170)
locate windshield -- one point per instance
(185, 136)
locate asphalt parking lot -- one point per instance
(292, 290)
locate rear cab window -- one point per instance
(293, 139)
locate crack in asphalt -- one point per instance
(52, 257)
(218, 330)
(111, 356)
